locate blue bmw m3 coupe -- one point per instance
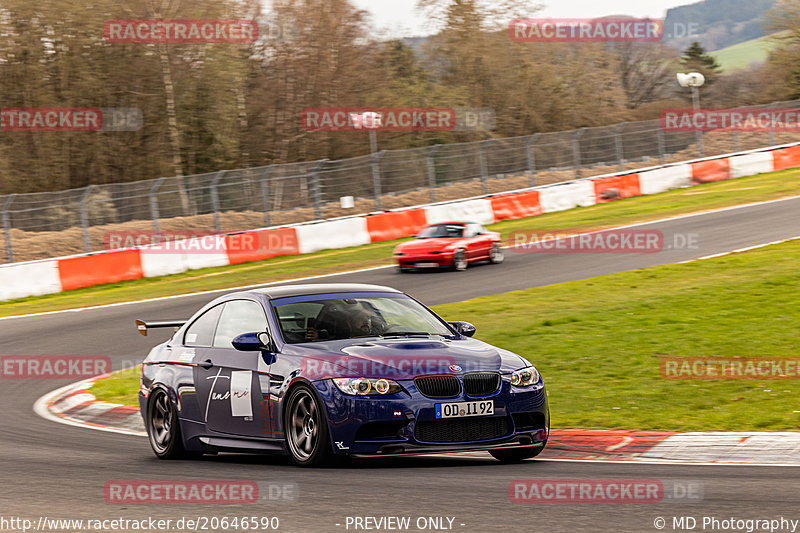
(322, 372)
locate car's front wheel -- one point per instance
(459, 261)
(306, 429)
(163, 428)
(496, 254)
(515, 455)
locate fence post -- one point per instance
(265, 192)
(154, 214)
(87, 243)
(215, 200)
(432, 170)
(376, 177)
(317, 188)
(484, 164)
(618, 144)
(576, 151)
(771, 133)
(7, 226)
(660, 142)
(531, 158)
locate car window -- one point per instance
(348, 318)
(441, 231)
(201, 332)
(472, 230)
(239, 316)
(298, 317)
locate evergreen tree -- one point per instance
(696, 59)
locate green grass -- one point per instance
(743, 55)
(598, 342)
(643, 208)
(120, 387)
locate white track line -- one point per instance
(740, 250)
(244, 287)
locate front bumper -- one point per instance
(405, 423)
(424, 260)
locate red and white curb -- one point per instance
(75, 405)
(728, 448)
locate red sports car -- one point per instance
(449, 244)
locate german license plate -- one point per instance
(427, 264)
(464, 409)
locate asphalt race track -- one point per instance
(60, 471)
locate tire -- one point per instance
(401, 270)
(516, 455)
(496, 254)
(306, 429)
(163, 427)
(460, 261)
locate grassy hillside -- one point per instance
(744, 54)
(716, 24)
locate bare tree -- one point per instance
(646, 72)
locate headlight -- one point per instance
(367, 386)
(525, 377)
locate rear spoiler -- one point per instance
(143, 326)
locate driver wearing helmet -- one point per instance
(349, 323)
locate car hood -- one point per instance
(425, 245)
(403, 358)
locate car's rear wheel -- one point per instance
(163, 428)
(515, 455)
(459, 260)
(306, 429)
(496, 254)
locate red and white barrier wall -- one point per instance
(36, 278)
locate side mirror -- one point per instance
(464, 328)
(252, 342)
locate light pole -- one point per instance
(694, 80)
(371, 121)
(368, 120)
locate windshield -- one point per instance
(442, 230)
(325, 319)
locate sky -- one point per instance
(398, 18)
